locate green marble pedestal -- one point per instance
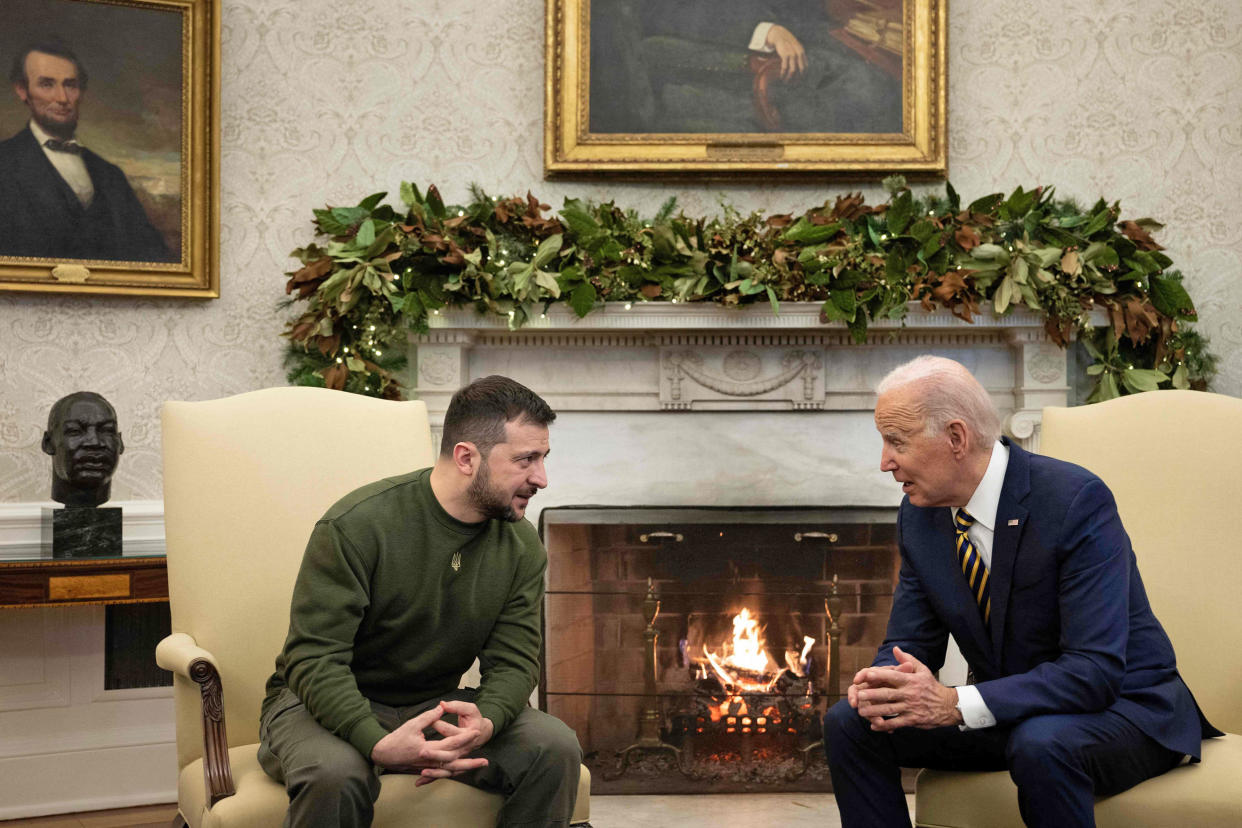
(82, 532)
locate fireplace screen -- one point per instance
(696, 649)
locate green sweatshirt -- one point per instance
(380, 613)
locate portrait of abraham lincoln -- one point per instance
(91, 132)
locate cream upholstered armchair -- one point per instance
(1173, 460)
(245, 479)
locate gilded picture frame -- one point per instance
(110, 147)
(729, 88)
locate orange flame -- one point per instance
(743, 666)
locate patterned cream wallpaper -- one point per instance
(325, 101)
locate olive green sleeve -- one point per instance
(509, 660)
(330, 597)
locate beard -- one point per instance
(493, 504)
(64, 130)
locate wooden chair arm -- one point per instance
(180, 654)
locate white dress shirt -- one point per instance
(982, 507)
(70, 166)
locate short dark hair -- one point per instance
(48, 46)
(478, 413)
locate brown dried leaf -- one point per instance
(1141, 317)
(850, 206)
(327, 345)
(1070, 263)
(312, 274)
(1141, 238)
(783, 220)
(967, 237)
(334, 376)
(650, 290)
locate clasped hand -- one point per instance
(408, 750)
(903, 695)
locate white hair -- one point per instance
(947, 391)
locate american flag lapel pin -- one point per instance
(1013, 522)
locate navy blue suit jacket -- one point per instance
(1071, 627)
(41, 217)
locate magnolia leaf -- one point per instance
(1095, 370)
(521, 279)
(955, 201)
(334, 376)
(900, 211)
(1137, 380)
(579, 220)
(409, 194)
(370, 202)
(831, 312)
(548, 282)
(1105, 389)
(1004, 294)
(1045, 256)
(858, 328)
(807, 233)
(1098, 222)
(846, 301)
(1018, 269)
(1170, 297)
(582, 299)
(354, 364)
(990, 252)
(776, 306)
(548, 249)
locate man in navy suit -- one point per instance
(1077, 693)
(59, 200)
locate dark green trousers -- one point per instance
(534, 763)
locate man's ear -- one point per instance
(48, 447)
(20, 90)
(120, 444)
(959, 438)
(466, 457)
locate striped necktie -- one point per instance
(972, 565)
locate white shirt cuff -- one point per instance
(759, 40)
(975, 713)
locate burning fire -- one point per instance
(744, 667)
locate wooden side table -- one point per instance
(63, 582)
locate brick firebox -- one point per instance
(704, 565)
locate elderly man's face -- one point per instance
(85, 444)
(52, 92)
(922, 463)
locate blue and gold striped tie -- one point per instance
(972, 565)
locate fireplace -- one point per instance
(696, 649)
(684, 404)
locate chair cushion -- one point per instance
(260, 802)
(1204, 794)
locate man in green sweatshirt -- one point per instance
(404, 583)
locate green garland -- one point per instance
(381, 272)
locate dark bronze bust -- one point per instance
(85, 445)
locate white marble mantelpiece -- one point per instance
(667, 357)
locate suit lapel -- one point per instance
(1011, 520)
(40, 180)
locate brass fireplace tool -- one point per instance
(649, 720)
